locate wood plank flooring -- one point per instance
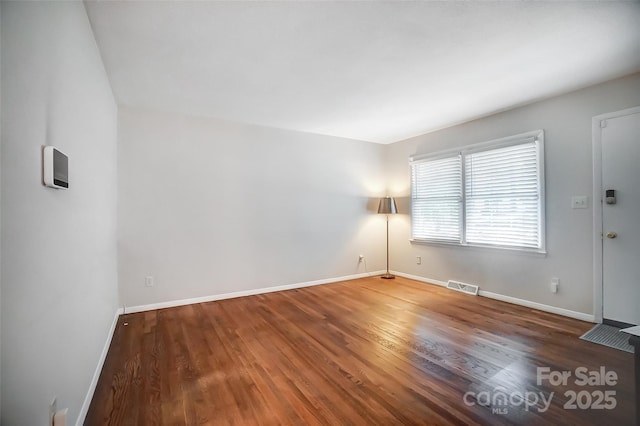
(362, 352)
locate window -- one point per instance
(490, 194)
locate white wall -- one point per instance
(209, 207)
(59, 271)
(566, 121)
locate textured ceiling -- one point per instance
(375, 71)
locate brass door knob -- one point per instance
(611, 234)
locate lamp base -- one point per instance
(387, 276)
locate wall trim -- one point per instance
(252, 292)
(522, 302)
(419, 278)
(596, 152)
(539, 306)
(96, 374)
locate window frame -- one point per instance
(522, 138)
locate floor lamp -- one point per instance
(387, 206)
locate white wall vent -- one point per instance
(462, 287)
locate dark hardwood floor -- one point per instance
(363, 352)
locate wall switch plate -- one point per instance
(418, 260)
(579, 202)
(148, 281)
(555, 283)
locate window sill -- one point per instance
(525, 252)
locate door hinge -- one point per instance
(603, 124)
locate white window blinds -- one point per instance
(436, 199)
(485, 195)
(502, 196)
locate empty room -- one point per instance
(319, 213)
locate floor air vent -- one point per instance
(464, 288)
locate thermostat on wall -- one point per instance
(55, 168)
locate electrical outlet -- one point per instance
(555, 283)
(60, 418)
(53, 408)
(148, 281)
(418, 260)
(361, 258)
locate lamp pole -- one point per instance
(387, 206)
(388, 275)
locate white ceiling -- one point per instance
(375, 71)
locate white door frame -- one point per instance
(597, 205)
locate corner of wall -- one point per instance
(66, 273)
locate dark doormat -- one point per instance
(608, 335)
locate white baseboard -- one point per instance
(419, 278)
(211, 298)
(96, 375)
(529, 304)
(539, 306)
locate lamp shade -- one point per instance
(387, 206)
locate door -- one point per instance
(620, 142)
